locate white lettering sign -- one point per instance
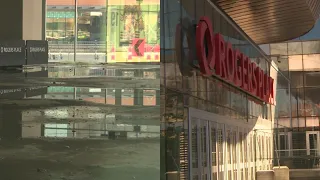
(37, 49)
(35, 88)
(11, 49)
(6, 91)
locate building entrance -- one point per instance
(313, 141)
(224, 149)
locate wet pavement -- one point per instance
(93, 122)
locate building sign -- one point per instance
(21, 93)
(61, 14)
(138, 47)
(36, 91)
(12, 53)
(217, 57)
(37, 52)
(185, 32)
(131, 30)
(139, 51)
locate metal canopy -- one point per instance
(269, 21)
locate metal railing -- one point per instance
(82, 46)
(298, 153)
(299, 158)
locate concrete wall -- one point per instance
(265, 175)
(22, 19)
(31, 130)
(278, 173)
(281, 173)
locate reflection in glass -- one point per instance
(279, 49)
(311, 47)
(133, 34)
(294, 48)
(56, 130)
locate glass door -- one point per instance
(194, 152)
(204, 150)
(214, 150)
(200, 148)
(312, 139)
(223, 150)
(284, 144)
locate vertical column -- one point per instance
(118, 102)
(106, 96)
(118, 93)
(33, 19)
(75, 93)
(158, 97)
(138, 97)
(11, 21)
(118, 96)
(76, 30)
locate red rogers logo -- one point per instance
(217, 57)
(185, 31)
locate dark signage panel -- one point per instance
(11, 126)
(20, 93)
(12, 53)
(37, 74)
(36, 91)
(37, 52)
(12, 93)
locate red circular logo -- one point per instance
(185, 53)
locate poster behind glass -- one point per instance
(133, 31)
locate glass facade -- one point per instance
(184, 88)
(192, 144)
(107, 31)
(116, 44)
(300, 61)
(114, 26)
(298, 132)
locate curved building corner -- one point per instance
(271, 21)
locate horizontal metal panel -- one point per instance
(268, 21)
(98, 2)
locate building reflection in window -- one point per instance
(103, 28)
(56, 130)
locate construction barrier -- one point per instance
(21, 52)
(36, 52)
(13, 53)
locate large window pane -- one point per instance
(295, 63)
(294, 48)
(91, 31)
(279, 49)
(311, 62)
(113, 31)
(297, 102)
(133, 31)
(60, 29)
(311, 47)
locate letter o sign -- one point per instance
(204, 33)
